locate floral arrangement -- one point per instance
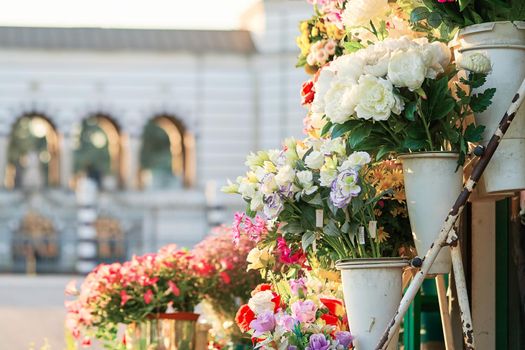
(340, 26)
(316, 195)
(170, 280)
(394, 97)
(234, 283)
(446, 16)
(303, 313)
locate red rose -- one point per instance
(244, 317)
(307, 92)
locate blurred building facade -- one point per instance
(157, 119)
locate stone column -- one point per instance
(86, 232)
(66, 160)
(134, 146)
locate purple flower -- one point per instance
(273, 205)
(304, 311)
(292, 347)
(344, 188)
(344, 338)
(298, 285)
(318, 342)
(265, 322)
(285, 321)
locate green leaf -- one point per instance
(292, 227)
(443, 109)
(474, 133)
(352, 46)
(331, 229)
(419, 14)
(315, 200)
(250, 212)
(410, 110)
(480, 102)
(341, 129)
(307, 239)
(463, 4)
(358, 135)
(382, 151)
(414, 144)
(326, 128)
(435, 19)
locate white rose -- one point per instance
(268, 185)
(407, 69)
(321, 86)
(375, 98)
(355, 160)
(334, 146)
(476, 62)
(285, 176)
(359, 13)
(339, 105)
(314, 160)
(306, 180)
(262, 302)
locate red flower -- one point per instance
(225, 278)
(148, 296)
(335, 306)
(124, 297)
(244, 317)
(174, 289)
(330, 320)
(307, 92)
(86, 342)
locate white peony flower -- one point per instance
(355, 161)
(321, 86)
(314, 160)
(437, 57)
(476, 62)
(336, 145)
(359, 13)
(375, 98)
(407, 69)
(339, 104)
(285, 176)
(348, 69)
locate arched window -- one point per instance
(166, 154)
(33, 153)
(98, 151)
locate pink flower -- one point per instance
(173, 288)
(86, 342)
(148, 296)
(304, 311)
(124, 297)
(71, 288)
(238, 220)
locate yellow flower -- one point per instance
(269, 167)
(382, 235)
(259, 258)
(333, 32)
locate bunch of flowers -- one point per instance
(316, 194)
(446, 16)
(170, 280)
(234, 282)
(394, 96)
(296, 314)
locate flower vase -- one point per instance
(372, 291)
(173, 331)
(432, 185)
(504, 44)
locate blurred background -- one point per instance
(119, 122)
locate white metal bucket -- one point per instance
(432, 185)
(504, 43)
(372, 290)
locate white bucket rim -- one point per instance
(366, 263)
(482, 27)
(436, 154)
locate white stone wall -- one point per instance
(232, 104)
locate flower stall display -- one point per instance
(489, 30)
(395, 97)
(303, 314)
(235, 282)
(154, 295)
